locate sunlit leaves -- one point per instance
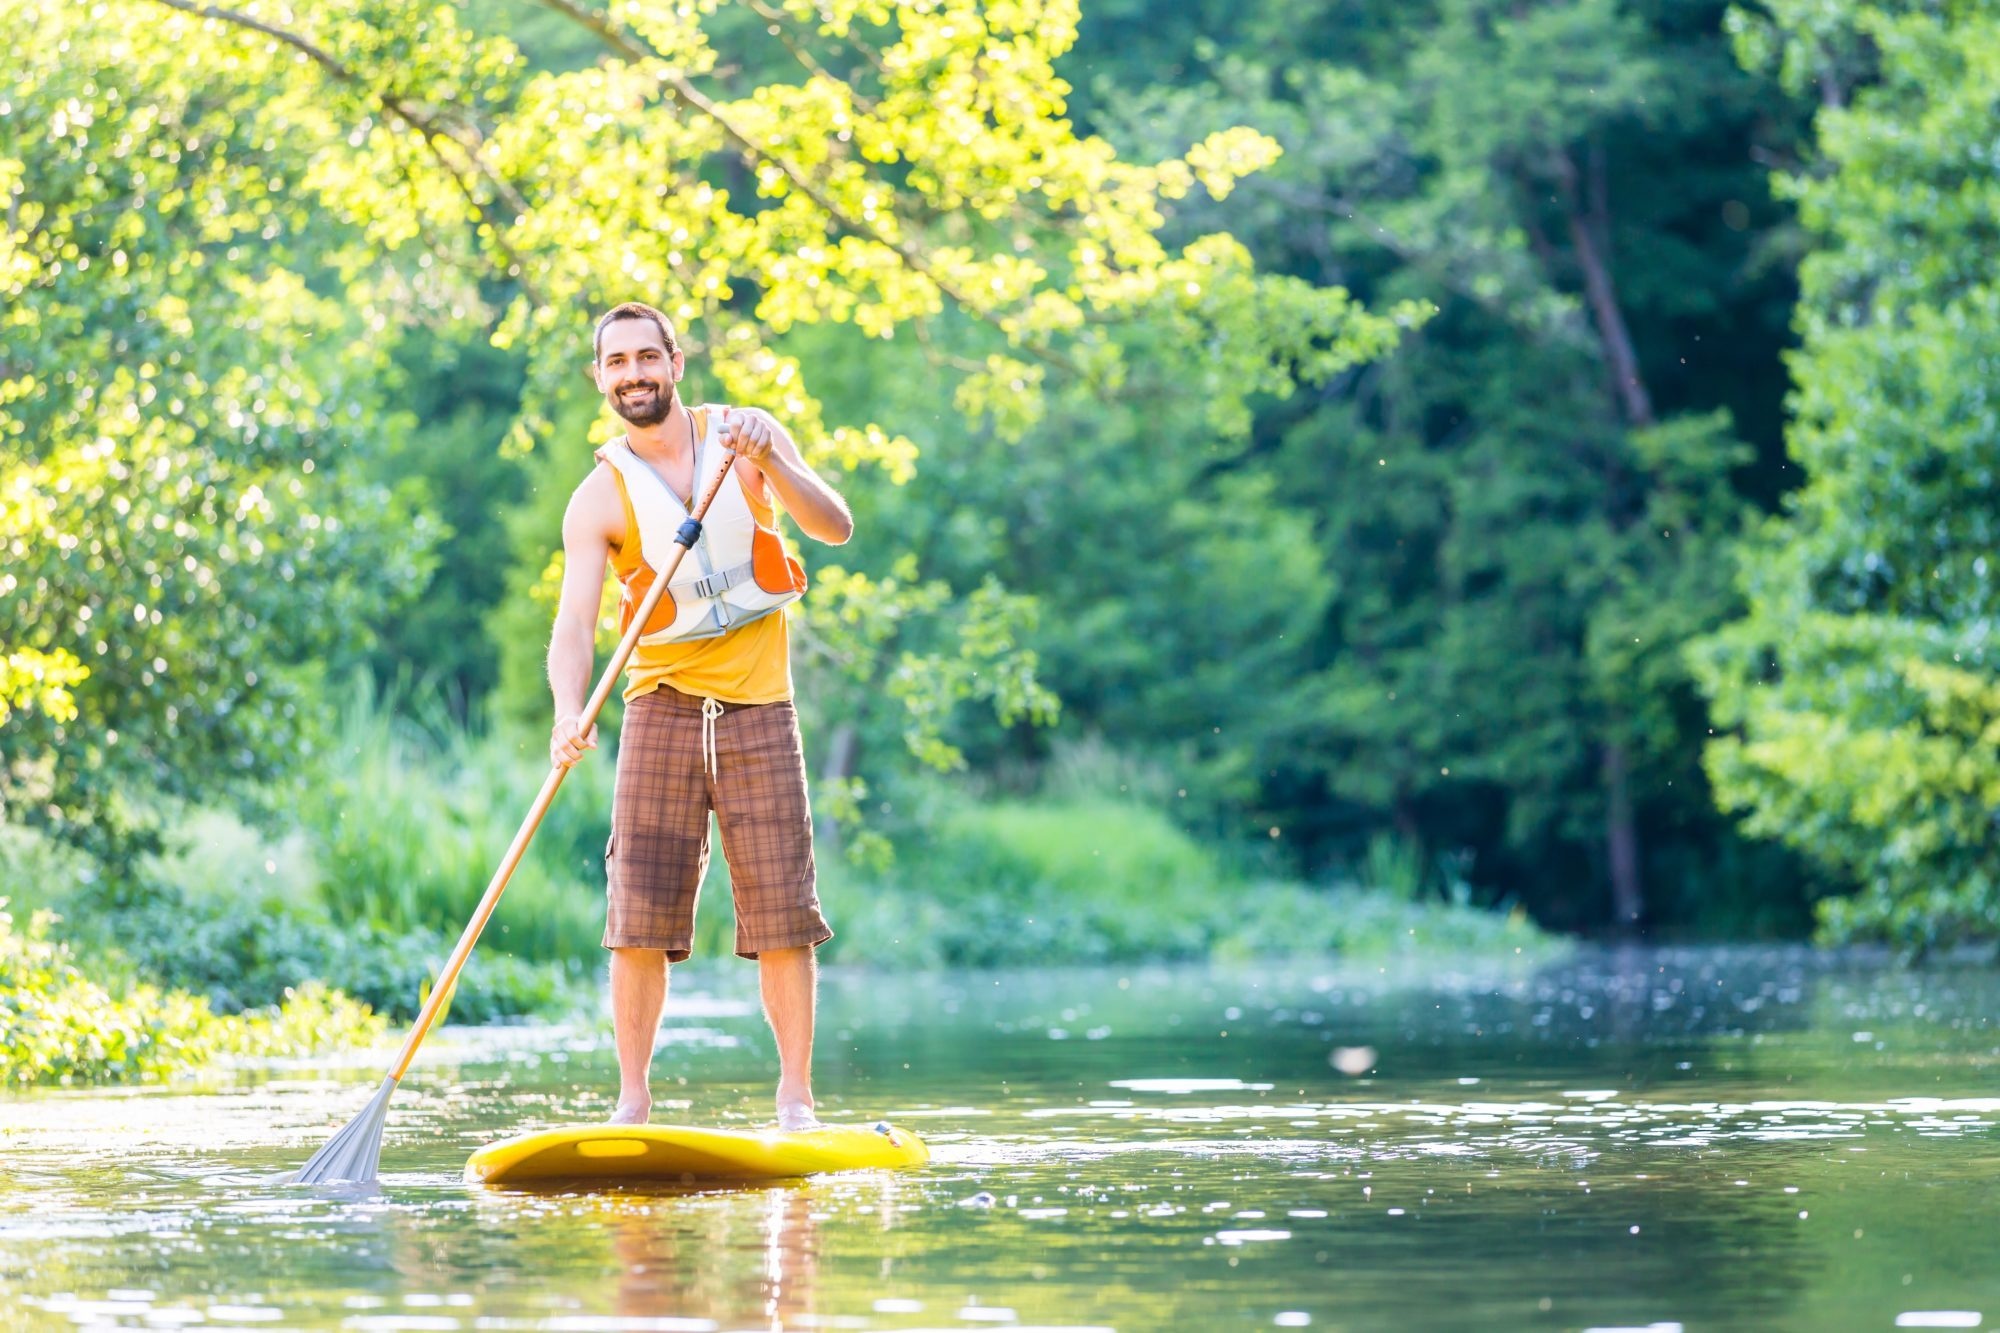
(39, 680)
(1222, 159)
(912, 643)
(216, 218)
(942, 171)
(183, 541)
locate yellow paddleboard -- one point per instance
(611, 1154)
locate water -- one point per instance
(1748, 1139)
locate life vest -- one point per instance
(737, 570)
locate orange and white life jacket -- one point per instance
(737, 570)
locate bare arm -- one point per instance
(573, 644)
(769, 448)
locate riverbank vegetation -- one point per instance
(1501, 469)
(359, 903)
(63, 1026)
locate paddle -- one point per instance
(354, 1154)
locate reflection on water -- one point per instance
(1640, 1139)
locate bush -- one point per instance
(1014, 882)
(237, 957)
(36, 871)
(370, 896)
(59, 1026)
(1293, 920)
(1915, 921)
(1100, 880)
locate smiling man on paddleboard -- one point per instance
(709, 723)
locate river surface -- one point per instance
(1744, 1140)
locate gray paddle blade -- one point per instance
(353, 1154)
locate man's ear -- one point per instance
(590, 373)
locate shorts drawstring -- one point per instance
(711, 709)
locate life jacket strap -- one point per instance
(714, 585)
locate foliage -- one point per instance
(461, 395)
(247, 219)
(238, 917)
(295, 305)
(59, 1026)
(187, 534)
(239, 956)
(1293, 920)
(1031, 882)
(1169, 594)
(1857, 688)
(1519, 519)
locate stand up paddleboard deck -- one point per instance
(615, 1154)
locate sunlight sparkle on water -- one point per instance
(1575, 1137)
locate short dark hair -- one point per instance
(630, 310)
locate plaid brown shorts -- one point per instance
(658, 851)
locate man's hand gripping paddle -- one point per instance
(354, 1154)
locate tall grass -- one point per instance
(417, 811)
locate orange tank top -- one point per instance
(749, 665)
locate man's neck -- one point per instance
(669, 439)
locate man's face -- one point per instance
(635, 372)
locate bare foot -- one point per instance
(794, 1117)
(632, 1113)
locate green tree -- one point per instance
(367, 166)
(188, 536)
(1525, 508)
(1858, 688)
(461, 395)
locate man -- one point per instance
(709, 723)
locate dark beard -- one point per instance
(652, 414)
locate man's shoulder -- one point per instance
(594, 502)
(600, 481)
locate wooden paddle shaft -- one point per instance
(441, 991)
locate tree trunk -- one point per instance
(1405, 819)
(1589, 234)
(1621, 838)
(840, 752)
(1587, 206)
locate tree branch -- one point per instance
(776, 17)
(777, 26)
(434, 135)
(680, 90)
(316, 54)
